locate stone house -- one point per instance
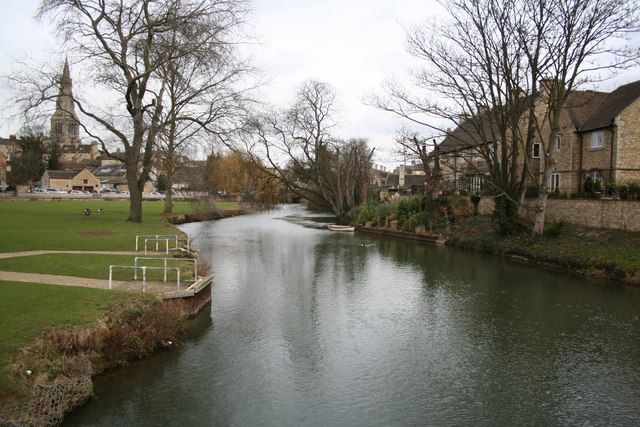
(599, 137)
(8, 147)
(82, 180)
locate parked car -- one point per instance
(2, 189)
(37, 190)
(55, 191)
(108, 190)
(156, 193)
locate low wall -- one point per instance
(597, 213)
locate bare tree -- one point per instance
(419, 146)
(204, 101)
(480, 76)
(121, 44)
(298, 146)
(580, 39)
(472, 80)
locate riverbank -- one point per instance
(598, 253)
(77, 323)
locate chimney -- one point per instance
(462, 117)
(546, 85)
(12, 138)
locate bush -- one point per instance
(554, 229)
(383, 212)
(610, 188)
(623, 192)
(587, 186)
(555, 194)
(597, 187)
(634, 190)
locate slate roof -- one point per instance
(86, 149)
(612, 106)
(110, 171)
(63, 174)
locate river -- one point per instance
(309, 327)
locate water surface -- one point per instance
(309, 327)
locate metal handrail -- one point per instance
(194, 260)
(144, 273)
(157, 236)
(157, 240)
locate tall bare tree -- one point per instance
(204, 99)
(418, 146)
(122, 46)
(480, 75)
(299, 147)
(579, 40)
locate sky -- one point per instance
(353, 45)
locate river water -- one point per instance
(309, 327)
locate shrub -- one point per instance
(383, 211)
(623, 192)
(587, 186)
(554, 194)
(554, 229)
(610, 188)
(597, 187)
(634, 190)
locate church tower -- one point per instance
(64, 122)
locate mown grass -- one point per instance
(33, 225)
(28, 309)
(92, 266)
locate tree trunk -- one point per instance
(168, 197)
(541, 205)
(135, 193)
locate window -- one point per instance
(536, 150)
(58, 127)
(596, 176)
(477, 154)
(557, 144)
(597, 139)
(555, 181)
(85, 181)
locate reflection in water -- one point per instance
(311, 327)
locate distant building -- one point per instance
(82, 180)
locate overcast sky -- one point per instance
(351, 44)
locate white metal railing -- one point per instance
(144, 273)
(165, 260)
(166, 240)
(162, 237)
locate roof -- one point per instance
(612, 106)
(82, 148)
(467, 134)
(63, 174)
(110, 170)
(582, 104)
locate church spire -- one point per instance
(64, 122)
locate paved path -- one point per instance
(119, 285)
(45, 252)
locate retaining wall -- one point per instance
(597, 213)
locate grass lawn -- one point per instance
(27, 309)
(32, 225)
(92, 266)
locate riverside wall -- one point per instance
(597, 213)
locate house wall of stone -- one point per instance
(627, 154)
(597, 158)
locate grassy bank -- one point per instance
(610, 254)
(90, 266)
(29, 309)
(31, 225)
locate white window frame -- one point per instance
(533, 150)
(597, 139)
(555, 181)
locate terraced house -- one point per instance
(599, 137)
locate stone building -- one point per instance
(82, 180)
(599, 137)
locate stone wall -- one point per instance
(615, 214)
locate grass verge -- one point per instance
(28, 309)
(609, 254)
